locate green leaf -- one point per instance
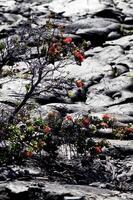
(2, 46)
(27, 87)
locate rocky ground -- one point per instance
(108, 72)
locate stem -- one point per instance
(26, 97)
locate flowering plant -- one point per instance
(74, 130)
(79, 56)
(67, 40)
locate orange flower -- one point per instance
(98, 150)
(106, 117)
(67, 40)
(103, 124)
(69, 118)
(79, 56)
(47, 129)
(51, 114)
(79, 84)
(86, 121)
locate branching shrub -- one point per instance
(46, 52)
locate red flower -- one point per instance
(86, 122)
(53, 49)
(105, 125)
(47, 129)
(69, 118)
(67, 40)
(106, 117)
(28, 154)
(98, 150)
(79, 56)
(79, 84)
(129, 130)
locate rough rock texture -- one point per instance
(107, 72)
(38, 190)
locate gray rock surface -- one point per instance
(54, 190)
(107, 71)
